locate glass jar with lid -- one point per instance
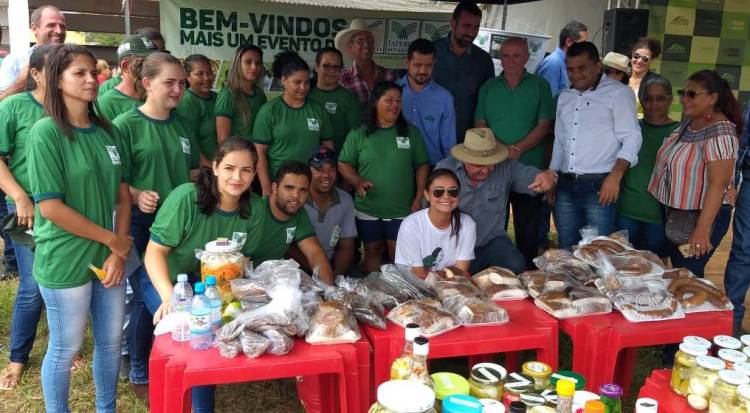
(515, 385)
(743, 393)
(731, 357)
(404, 396)
(447, 384)
(486, 381)
(610, 395)
(745, 340)
(743, 368)
(684, 362)
(726, 342)
(724, 397)
(698, 341)
(538, 371)
(702, 380)
(222, 258)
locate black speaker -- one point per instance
(622, 27)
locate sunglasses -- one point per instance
(658, 98)
(638, 56)
(440, 191)
(690, 94)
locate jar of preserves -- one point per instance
(538, 371)
(461, 403)
(610, 395)
(698, 341)
(222, 259)
(745, 340)
(486, 381)
(731, 357)
(743, 392)
(492, 406)
(724, 397)
(702, 380)
(403, 396)
(448, 384)
(684, 362)
(728, 342)
(743, 368)
(532, 399)
(515, 384)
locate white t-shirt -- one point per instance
(418, 240)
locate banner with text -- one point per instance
(491, 39)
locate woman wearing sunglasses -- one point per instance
(645, 50)
(637, 210)
(440, 235)
(694, 168)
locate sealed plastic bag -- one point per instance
(333, 323)
(280, 343)
(695, 294)
(431, 316)
(229, 349)
(253, 344)
(499, 283)
(573, 301)
(475, 310)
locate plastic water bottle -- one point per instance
(182, 296)
(214, 297)
(200, 319)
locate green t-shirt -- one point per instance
(114, 103)
(200, 111)
(161, 153)
(110, 84)
(291, 134)
(269, 238)
(84, 172)
(182, 226)
(513, 113)
(388, 161)
(343, 107)
(225, 107)
(18, 113)
(635, 201)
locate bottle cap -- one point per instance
(488, 373)
(408, 396)
(182, 278)
(699, 341)
(210, 280)
(593, 406)
(693, 350)
(732, 356)
(710, 363)
(222, 246)
(729, 342)
(412, 331)
(461, 403)
(200, 288)
(565, 388)
(517, 407)
(610, 390)
(448, 384)
(646, 405)
(421, 346)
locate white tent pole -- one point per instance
(126, 5)
(18, 26)
(505, 13)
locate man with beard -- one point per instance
(427, 105)
(461, 66)
(277, 223)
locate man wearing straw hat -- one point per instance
(487, 177)
(357, 43)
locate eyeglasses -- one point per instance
(439, 191)
(657, 98)
(690, 94)
(644, 58)
(330, 68)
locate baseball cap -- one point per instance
(321, 156)
(135, 45)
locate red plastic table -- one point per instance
(657, 388)
(174, 368)
(529, 328)
(604, 347)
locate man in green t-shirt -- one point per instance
(128, 94)
(519, 109)
(279, 221)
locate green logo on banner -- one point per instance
(681, 21)
(436, 32)
(403, 32)
(677, 49)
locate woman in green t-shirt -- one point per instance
(637, 210)
(242, 96)
(199, 100)
(79, 181)
(291, 126)
(386, 162)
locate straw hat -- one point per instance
(480, 147)
(357, 25)
(617, 61)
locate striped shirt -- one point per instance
(350, 79)
(680, 177)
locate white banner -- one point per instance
(491, 39)
(216, 28)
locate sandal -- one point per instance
(78, 363)
(9, 379)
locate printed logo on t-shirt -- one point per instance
(403, 142)
(313, 124)
(434, 259)
(185, 145)
(290, 234)
(335, 236)
(331, 107)
(113, 154)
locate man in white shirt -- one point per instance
(48, 25)
(597, 138)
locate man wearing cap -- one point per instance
(461, 66)
(487, 177)
(357, 43)
(331, 211)
(130, 93)
(597, 138)
(425, 104)
(518, 107)
(147, 32)
(48, 25)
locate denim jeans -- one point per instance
(643, 235)
(737, 275)
(698, 265)
(577, 205)
(203, 396)
(8, 252)
(68, 311)
(498, 251)
(140, 228)
(28, 306)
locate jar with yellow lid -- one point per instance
(702, 380)
(684, 362)
(538, 371)
(724, 397)
(486, 381)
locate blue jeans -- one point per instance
(643, 235)
(577, 205)
(10, 256)
(698, 265)
(28, 306)
(140, 228)
(498, 251)
(737, 275)
(203, 396)
(68, 311)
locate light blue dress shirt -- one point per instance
(554, 70)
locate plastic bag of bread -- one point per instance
(695, 294)
(279, 343)
(646, 301)
(432, 317)
(575, 271)
(538, 281)
(365, 309)
(246, 289)
(499, 284)
(573, 301)
(332, 324)
(229, 349)
(253, 344)
(475, 310)
(551, 255)
(446, 274)
(401, 277)
(447, 289)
